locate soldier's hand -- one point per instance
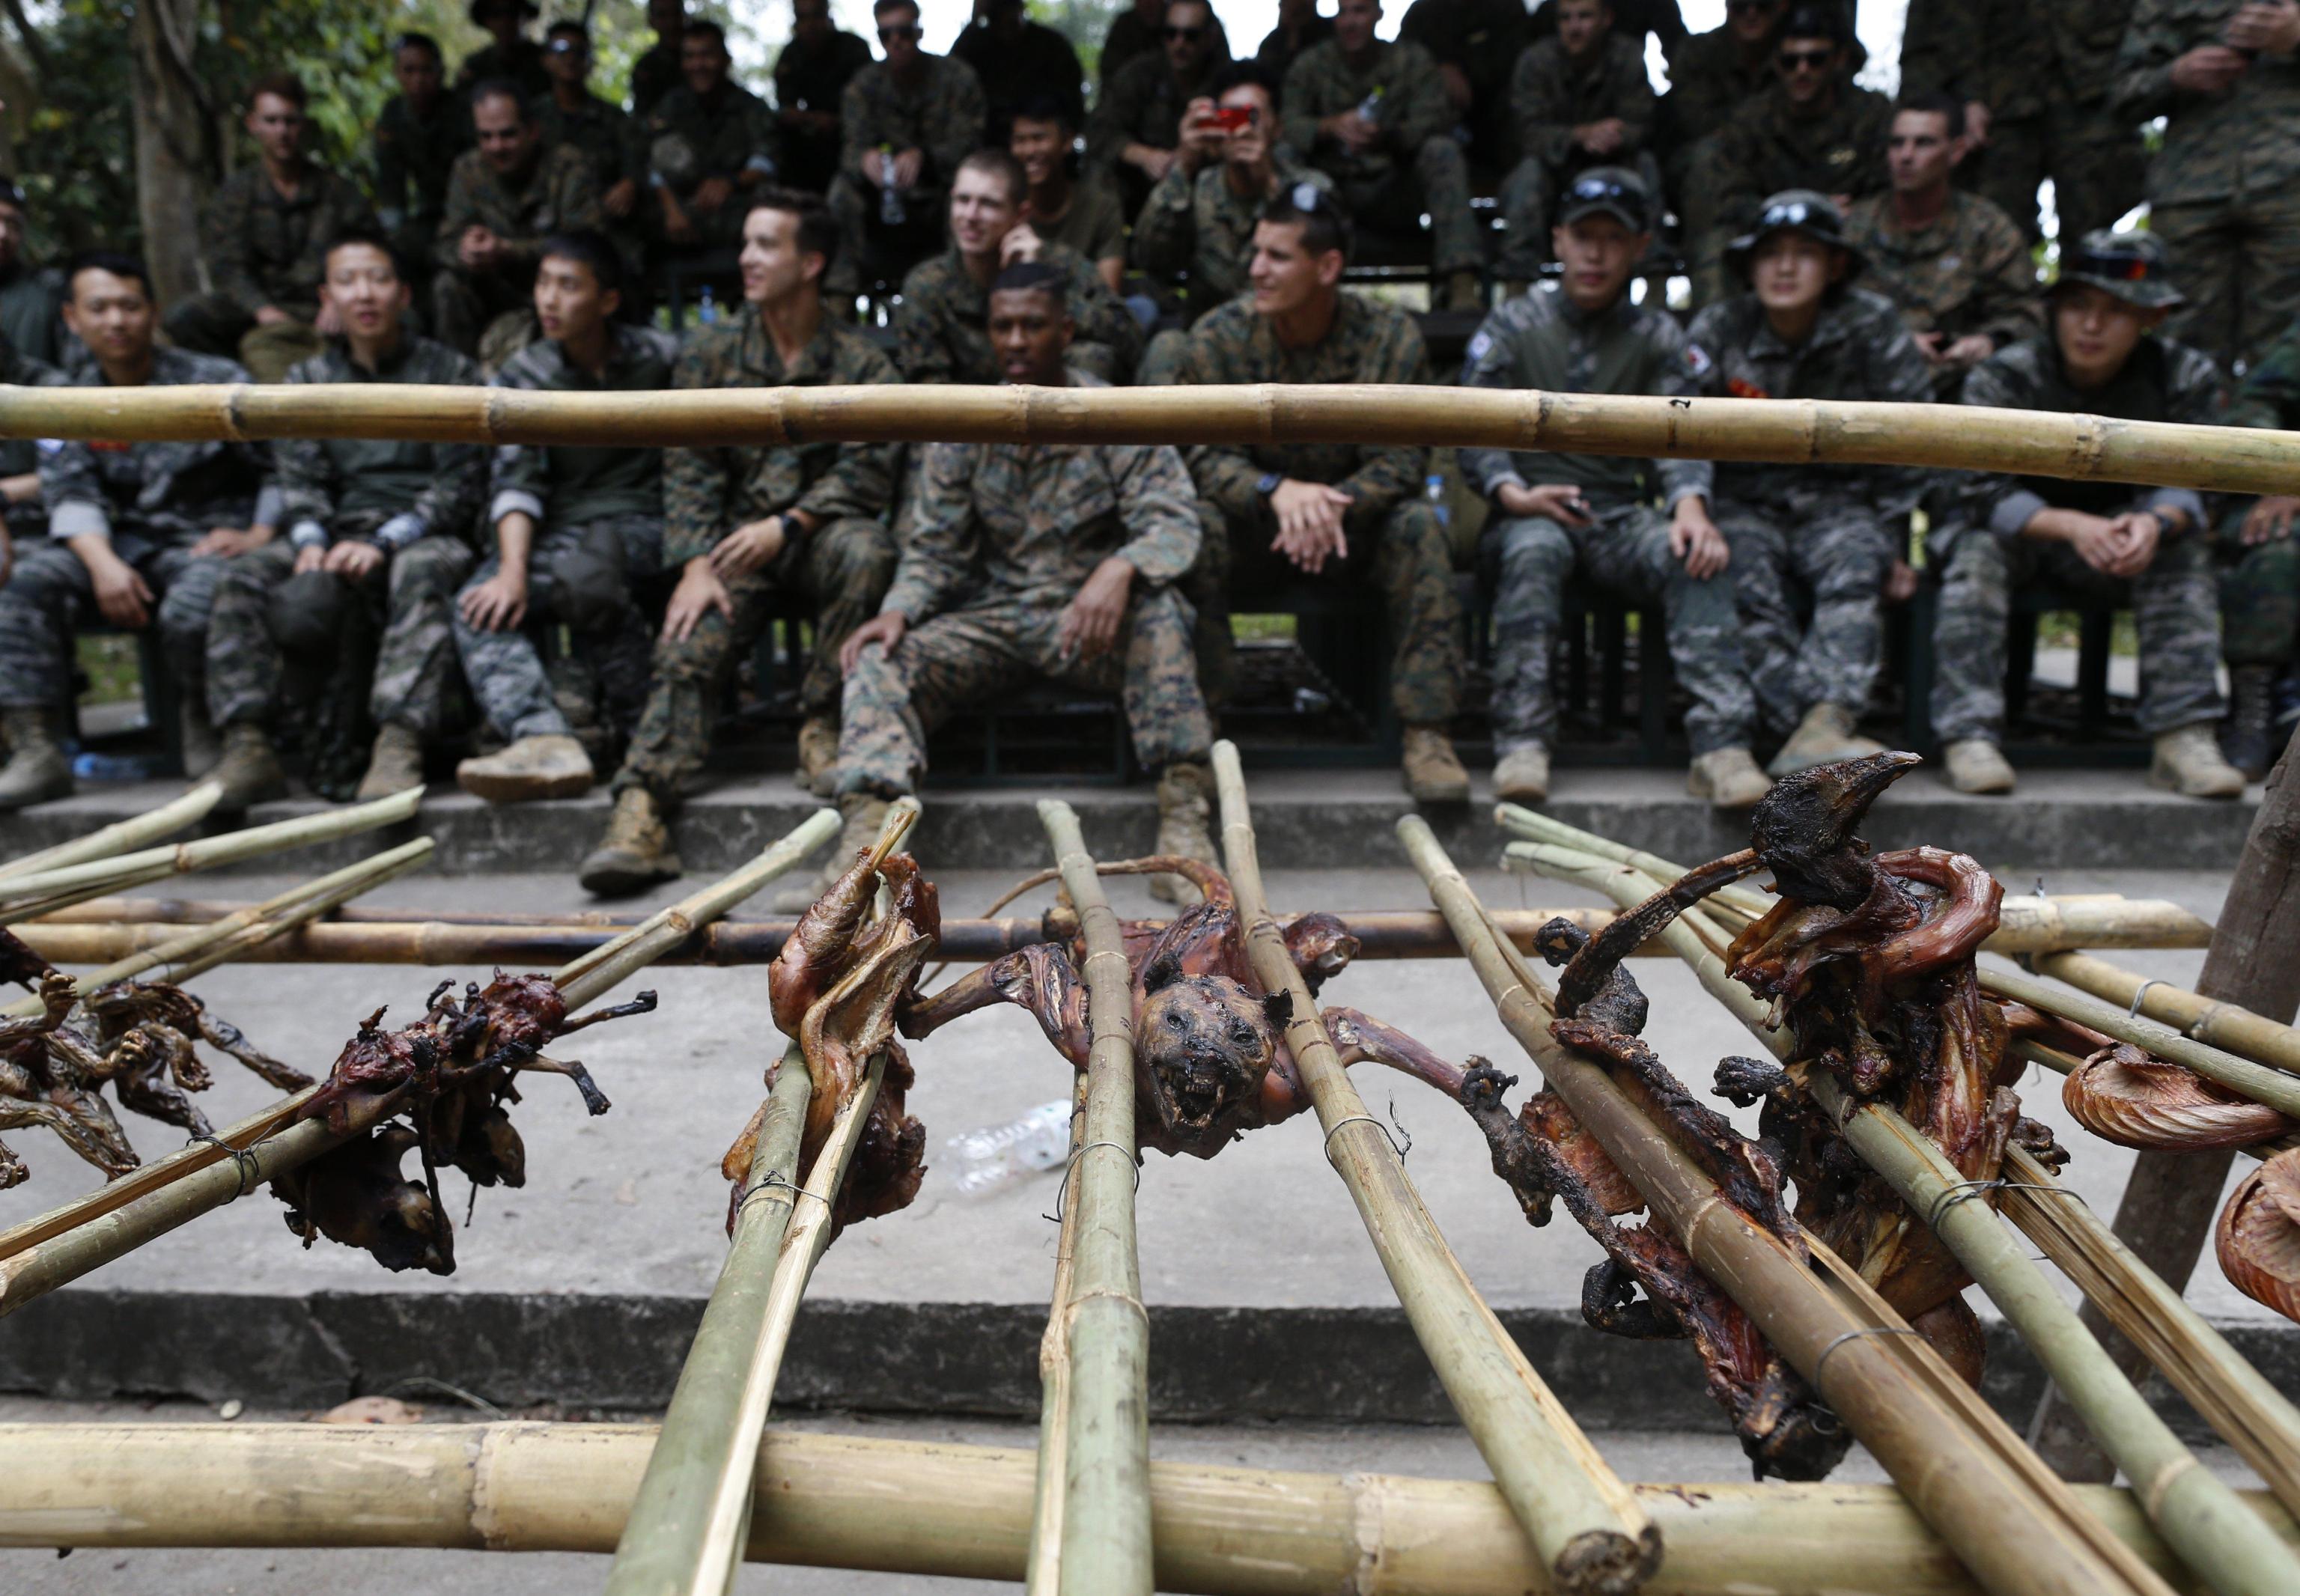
(1969, 350)
(1560, 502)
(1457, 85)
(1310, 523)
(7, 554)
(874, 167)
(1929, 344)
(354, 559)
(884, 630)
(1203, 139)
(1600, 137)
(1694, 538)
(310, 559)
(1020, 245)
(619, 200)
(2270, 519)
(699, 592)
(747, 548)
(271, 315)
(120, 594)
(330, 323)
(223, 542)
(2136, 534)
(1976, 124)
(2273, 26)
(498, 603)
(1091, 622)
(2092, 538)
(1151, 161)
(1900, 582)
(2208, 69)
(677, 226)
(713, 192)
(908, 166)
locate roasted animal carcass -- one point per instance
(2258, 1238)
(439, 1086)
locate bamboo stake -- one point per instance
(1105, 1500)
(2200, 1018)
(1044, 1568)
(187, 808)
(1794, 431)
(2016, 1527)
(929, 1509)
(1587, 1525)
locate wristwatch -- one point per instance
(1269, 483)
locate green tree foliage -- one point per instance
(1085, 23)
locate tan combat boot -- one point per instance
(818, 754)
(1978, 766)
(1729, 778)
(37, 770)
(1463, 292)
(249, 769)
(1522, 775)
(1433, 770)
(1825, 735)
(2188, 761)
(396, 765)
(552, 766)
(635, 853)
(198, 737)
(866, 816)
(1185, 794)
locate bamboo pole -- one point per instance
(2016, 1528)
(1793, 431)
(2200, 1018)
(929, 1509)
(1043, 1570)
(1106, 1434)
(186, 809)
(1588, 1526)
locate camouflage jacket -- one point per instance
(559, 195)
(1552, 94)
(942, 115)
(569, 484)
(1203, 226)
(608, 139)
(2269, 393)
(1131, 37)
(20, 456)
(1859, 349)
(1322, 83)
(686, 140)
(708, 492)
(1279, 54)
(654, 74)
(1997, 51)
(1708, 83)
(1968, 271)
(1027, 523)
(1485, 39)
(1142, 105)
(942, 326)
(1765, 148)
(1370, 342)
(1094, 223)
(322, 479)
(1542, 340)
(2161, 381)
(523, 65)
(414, 156)
(162, 491)
(1011, 70)
(265, 250)
(31, 314)
(816, 80)
(2245, 140)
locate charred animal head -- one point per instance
(1787, 1433)
(1206, 1043)
(1804, 828)
(1321, 946)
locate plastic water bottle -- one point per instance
(999, 1155)
(1369, 108)
(115, 766)
(891, 212)
(1434, 490)
(706, 311)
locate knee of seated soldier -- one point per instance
(307, 612)
(589, 592)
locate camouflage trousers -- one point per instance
(842, 569)
(578, 576)
(1402, 552)
(2097, 166)
(1836, 551)
(2259, 593)
(1627, 553)
(1528, 199)
(48, 596)
(1437, 183)
(2238, 262)
(960, 659)
(2172, 601)
(214, 324)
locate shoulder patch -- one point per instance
(1697, 363)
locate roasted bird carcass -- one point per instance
(439, 1086)
(2258, 1238)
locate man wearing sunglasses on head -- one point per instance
(1137, 124)
(907, 121)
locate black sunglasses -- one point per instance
(899, 30)
(1791, 59)
(1189, 33)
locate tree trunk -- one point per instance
(174, 150)
(2172, 1199)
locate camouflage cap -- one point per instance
(2133, 266)
(1614, 191)
(1796, 211)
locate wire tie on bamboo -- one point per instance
(1069, 1167)
(244, 1158)
(1835, 1341)
(2132, 1012)
(1377, 1124)
(771, 1180)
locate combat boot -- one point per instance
(1184, 794)
(1433, 770)
(818, 754)
(249, 769)
(2188, 761)
(396, 765)
(1522, 777)
(2244, 737)
(1825, 735)
(552, 766)
(1978, 766)
(866, 816)
(200, 749)
(37, 770)
(1729, 778)
(635, 853)
(1463, 292)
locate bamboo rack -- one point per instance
(2225, 1026)
(188, 809)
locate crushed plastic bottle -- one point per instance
(999, 1155)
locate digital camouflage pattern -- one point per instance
(414, 157)
(1967, 271)
(607, 136)
(1141, 105)
(579, 575)
(688, 140)
(942, 115)
(1709, 80)
(942, 326)
(323, 480)
(1551, 95)
(1415, 166)
(558, 195)
(1201, 225)
(573, 483)
(263, 248)
(2260, 583)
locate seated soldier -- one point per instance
(942, 325)
(1581, 99)
(506, 198)
(1079, 213)
(748, 525)
(1329, 512)
(906, 123)
(709, 142)
(658, 71)
(572, 527)
(1374, 117)
(1477, 44)
(811, 78)
(1138, 122)
(510, 56)
(358, 593)
(2100, 542)
(1556, 513)
(263, 233)
(1137, 30)
(1029, 561)
(1711, 76)
(1955, 265)
(2260, 571)
(31, 295)
(1018, 61)
(420, 131)
(136, 534)
(608, 139)
(1801, 330)
(1299, 26)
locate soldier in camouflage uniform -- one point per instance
(138, 530)
(1137, 32)
(23, 511)
(710, 142)
(1137, 126)
(263, 233)
(1955, 264)
(657, 71)
(2260, 569)
(1329, 512)
(1803, 331)
(1031, 561)
(1018, 61)
(906, 122)
(942, 326)
(31, 295)
(2224, 190)
(571, 114)
(1581, 99)
(379, 541)
(811, 79)
(1081, 213)
(574, 526)
(506, 198)
(1555, 513)
(512, 58)
(421, 130)
(1299, 27)
(1375, 118)
(1477, 44)
(1710, 77)
(2103, 542)
(747, 526)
